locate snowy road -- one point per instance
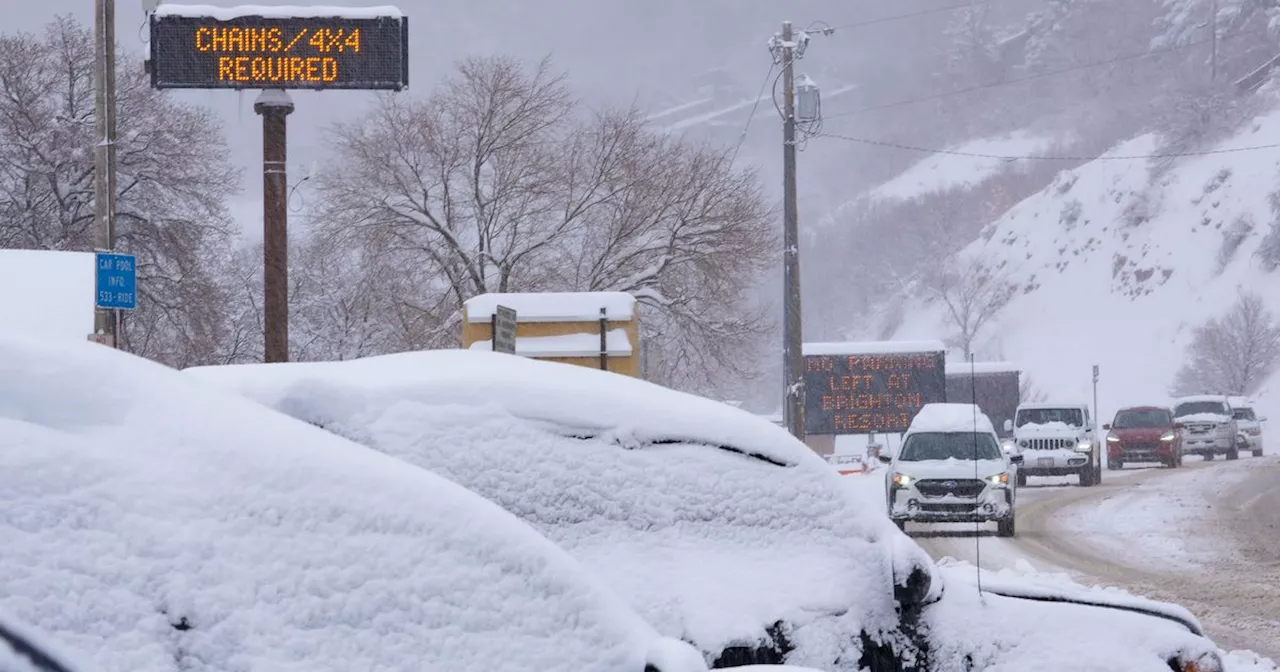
(1206, 536)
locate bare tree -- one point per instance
(1028, 391)
(972, 294)
(173, 177)
(501, 182)
(1232, 354)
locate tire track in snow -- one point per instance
(1235, 593)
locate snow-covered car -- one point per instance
(151, 523)
(1208, 426)
(1057, 439)
(1248, 424)
(951, 469)
(719, 527)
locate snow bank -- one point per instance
(1008, 634)
(553, 306)
(278, 11)
(155, 524)
(873, 348)
(51, 294)
(679, 503)
(617, 344)
(950, 418)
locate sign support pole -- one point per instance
(105, 320)
(274, 106)
(793, 339)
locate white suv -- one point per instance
(1057, 440)
(951, 470)
(1248, 425)
(1208, 426)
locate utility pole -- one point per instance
(793, 338)
(1213, 26)
(106, 322)
(274, 106)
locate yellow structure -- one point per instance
(562, 327)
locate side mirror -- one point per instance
(1107, 426)
(1008, 425)
(1178, 425)
(884, 459)
(1262, 419)
(1015, 458)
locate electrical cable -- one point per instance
(900, 17)
(742, 137)
(1039, 75)
(1073, 159)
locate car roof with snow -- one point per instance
(951, 418)
(1201, 397)
(1241, 402)
(1030, 405)
(678, 502)
(158, 520)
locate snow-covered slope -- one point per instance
(153, 524)
(1118, 260)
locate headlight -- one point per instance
(1112, 438)
(1168, 437)
(1000, 480)
(902, 480)
(1084, 446)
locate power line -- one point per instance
(1074, 159)
(1039, 75)
(900, 17)
(752, 115)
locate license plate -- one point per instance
(1044, 462)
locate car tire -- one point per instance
(1097, 474)
(1257, 453)
(1086, 477)
(1021, 479)
(1208, 457)
(1233, 454)
(1006, 527)
(1115, 465)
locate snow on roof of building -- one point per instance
(279, 11)
(618, 344)
(964, 368)
(874, 348)
(553, 306)
(51, 293)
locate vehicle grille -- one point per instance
(1141, 446)
(960, 487)
(1200, 428)
(947, 508)
(1048, 444)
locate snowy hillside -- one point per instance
(1118, 260)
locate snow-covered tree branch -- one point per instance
(1232, 354)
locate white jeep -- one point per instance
(1208, 426)
(1057, 439)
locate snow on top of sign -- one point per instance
(567, 345)
(874, 348)
(961, 368)
(553, 306)
(55, 301)
(279, 12)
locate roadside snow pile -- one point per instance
(155, 524)
(1247, 661)
(1002, 632)
(681, 504)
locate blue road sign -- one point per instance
(117, 281)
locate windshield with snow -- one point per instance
(1245, 414)
(949, 446)
(1144, 418)
(1044, 416)
(1196, 407)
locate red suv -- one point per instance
(1143, 434)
